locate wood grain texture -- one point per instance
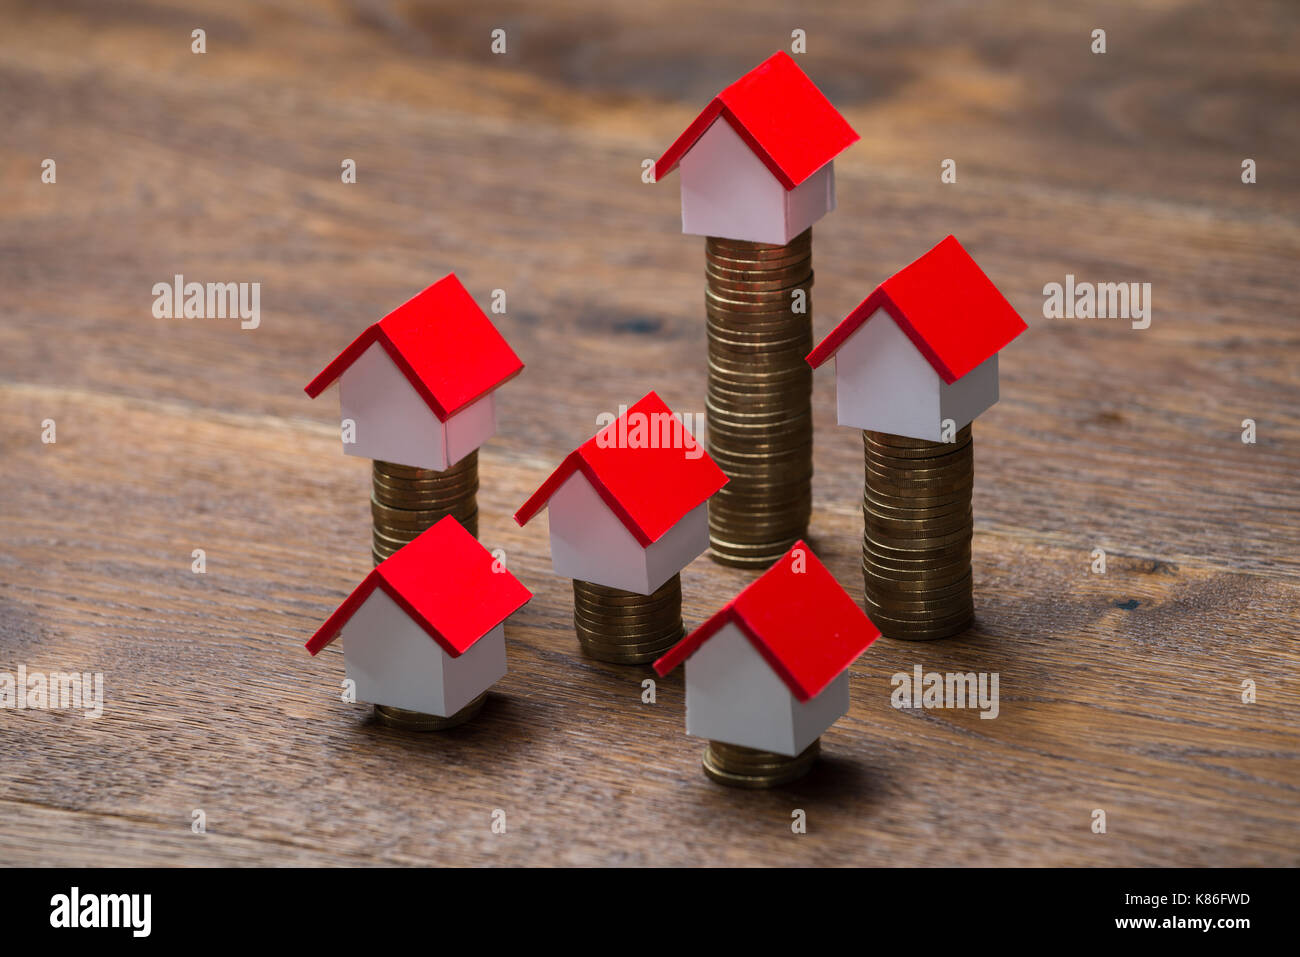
(1118, 691)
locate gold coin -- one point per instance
(738, 767)
(624, 627)
(914, 458)
(417, 721)
(770, 287)
(738, 305)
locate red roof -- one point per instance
(802, 622)
(650, 488)
(443, 342)
(780, 114)
(446, 581)
(950, 310)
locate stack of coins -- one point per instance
(916, 543)
(759, 402)
(419, 721)
(625, 628)
(407, 501)
(739, 767)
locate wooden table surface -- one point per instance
(1119, 691)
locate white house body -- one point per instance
(728, 191)
(884, 383)
(733, 695)
(393, 422)
(395, 662)
(592, 544)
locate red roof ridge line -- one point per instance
(420, 620)
(730, 614)
(575, 461)
(756, 148)
(375, 332)
(407, 370)
(615, 505)
(716, 109)
(878, 299)
(718, 106)
(352, 604)
(773, 662)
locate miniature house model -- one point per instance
(764, 173)
(425, 630)
(628, 507)
(922, 348)
(418, 383)
(769, 669)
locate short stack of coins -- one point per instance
(738, 767)
(406, 501)
(759, 402)
(409, 720)
(623, 627)
(916, 543)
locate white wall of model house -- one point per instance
(590, 543)
(395, 424)
(728, 192)
(883, 383)
(734, 696)
(395, 662)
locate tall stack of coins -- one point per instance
(759, 401)
(916, 543)
(624, 627)
(739, 767)
(406, 501)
